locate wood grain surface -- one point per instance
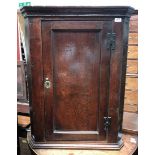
(132, 52)
(131, 108)
(131, 91)
(133, 38)
(132, 66)
(131, 97)
(132, 49)
(76, 56)
(78, 84)
(131, 83)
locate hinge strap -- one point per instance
(111, 41)
(107, 123)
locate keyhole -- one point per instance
(47, 83)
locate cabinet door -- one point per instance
(76, 75)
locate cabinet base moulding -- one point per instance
(93, 145)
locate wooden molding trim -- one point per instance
(102, 145)
(28, 11)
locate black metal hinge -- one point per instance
(107, 123)
(111, 41)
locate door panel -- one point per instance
(75, 61)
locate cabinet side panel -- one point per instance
(123, 74)
(35, 75)
(115, 80)
(28, 66)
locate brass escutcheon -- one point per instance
(47, 83)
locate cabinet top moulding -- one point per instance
(81, 11)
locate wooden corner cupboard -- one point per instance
(76, 75)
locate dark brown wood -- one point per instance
(68, 49)
(35, 76)
(78, 95)
(128, 148)
(82, 11)
(123, 72)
